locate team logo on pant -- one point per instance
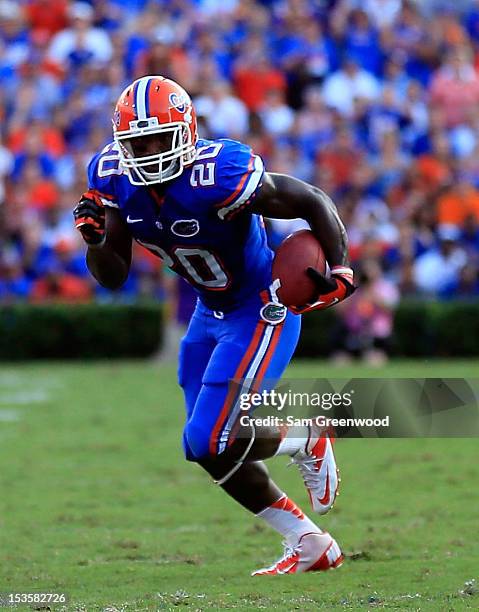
(185, 227)
(273, 313)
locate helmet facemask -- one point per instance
(152, 153)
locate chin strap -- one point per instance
(240, 461)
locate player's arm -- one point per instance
(109, 262)
(284, 197)
(108, 240)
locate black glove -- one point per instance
(89, 216)
(326, 285)
(331, 290)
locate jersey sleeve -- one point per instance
(102, 170)
(239, 176)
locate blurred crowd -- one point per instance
(375, 101)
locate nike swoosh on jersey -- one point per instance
(130, 220)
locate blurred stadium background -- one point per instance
(376, 101)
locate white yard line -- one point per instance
(9, 415)
(24, 389)
(11, 378)
(23, 398)
(15, 379)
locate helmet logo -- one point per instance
(178, 101)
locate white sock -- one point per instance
(295, 439)
(285, 517)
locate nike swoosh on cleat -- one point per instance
(327, 494)
(288, 569)
(130, 220)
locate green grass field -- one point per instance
(97, 501)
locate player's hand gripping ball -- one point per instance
(89, 216)
(300, 265)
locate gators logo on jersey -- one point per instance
(185, 227)
(273, 313)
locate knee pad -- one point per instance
(188, 453)
(196, 442)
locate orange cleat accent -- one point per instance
(314, 552)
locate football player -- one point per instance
(199, 205)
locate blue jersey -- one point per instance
(199, 223)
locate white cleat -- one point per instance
(314, 552)
(318, 468)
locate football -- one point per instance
(294, 255)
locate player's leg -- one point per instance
(306, 546)
(250, 349)
(195, 353)
(260, 358)
(261, 490)
(251, 485)
(247, 347)
(248, 482)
